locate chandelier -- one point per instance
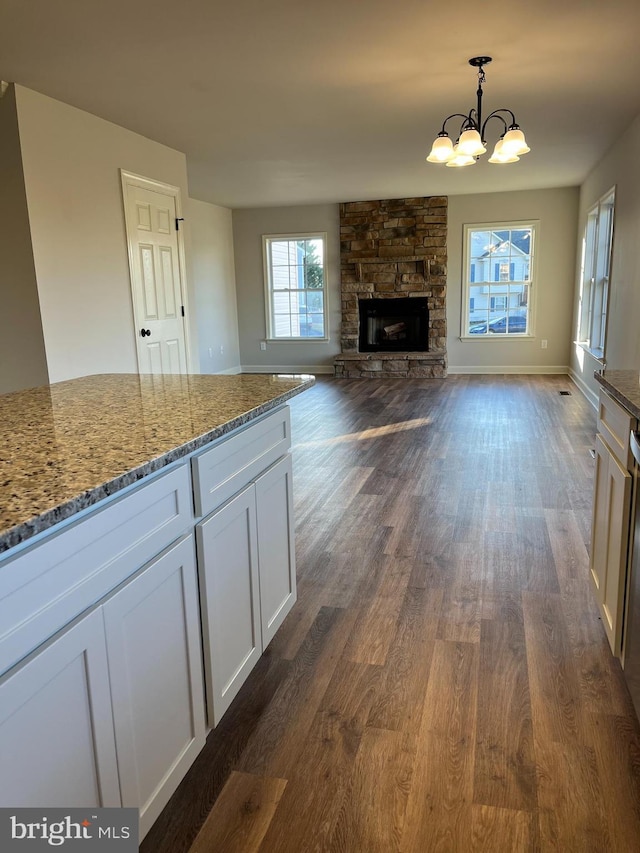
(470, 143)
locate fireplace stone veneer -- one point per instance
(390, 249)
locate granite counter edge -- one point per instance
(617, 394)
(24, 531)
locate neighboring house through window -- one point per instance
(498, 279)
(296, 297)
(595, 275)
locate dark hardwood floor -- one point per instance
(444, 682)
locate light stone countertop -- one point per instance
(624, 386)
(66, 446)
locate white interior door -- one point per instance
(154, 260)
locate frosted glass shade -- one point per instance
(441, 150)
(470, 143)
(460, 159)
(514, 143)
(500, 156)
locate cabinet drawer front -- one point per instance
(231, 464)
(614, 424)
(46, 586)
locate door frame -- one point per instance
(130, 179)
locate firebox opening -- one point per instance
(399, 324)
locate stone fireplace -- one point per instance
(393, 252)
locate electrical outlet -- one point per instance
(263, 345)
(221, 350)
(210, 352)
(543, 343)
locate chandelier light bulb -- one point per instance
(459, 159)
(514, 142)
(500, 156)
(441, 150)
(471, 133)
(471, 143)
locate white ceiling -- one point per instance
(291, 102)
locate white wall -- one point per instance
(248, 228)
(619, 168)
(71, 163)
(212, 274)
(557, 212)
(22, 355)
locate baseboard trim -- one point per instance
(230, 371)
(582, 386)
(501, 368)
(288, 369)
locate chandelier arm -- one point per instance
(454, 115)
(494, 114)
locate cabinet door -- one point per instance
(276, 548)
(155, 666)
(610, 540)
(56, 727)
(230, 599)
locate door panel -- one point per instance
(274, 503)
(155, 663)
(230, 598)
(55, 712)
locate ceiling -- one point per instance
(293, 102)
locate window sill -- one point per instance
(297, 340)
(496, 336)
(595, 352)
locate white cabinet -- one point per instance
(246, 560)
(611, 516)
(102, 622)
(277, 558)
(45, 586)
(155, 668)
(131, 666)
(56, 727)
(230, 595)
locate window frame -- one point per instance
(595, 276)
(267, 239)
(468, 279)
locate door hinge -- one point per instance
(182, 308)
(179, 219)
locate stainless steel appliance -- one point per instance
(632, 641)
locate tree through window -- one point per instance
(296, 298)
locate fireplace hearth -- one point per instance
(394, 325)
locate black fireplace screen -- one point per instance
(388, 325)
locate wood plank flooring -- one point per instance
(444, 682)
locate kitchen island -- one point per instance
(146, 531)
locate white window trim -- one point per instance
(597, 353)
(510, 224)
(298, 235)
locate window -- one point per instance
(595, 272)
(498, 278)
(296, 297)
